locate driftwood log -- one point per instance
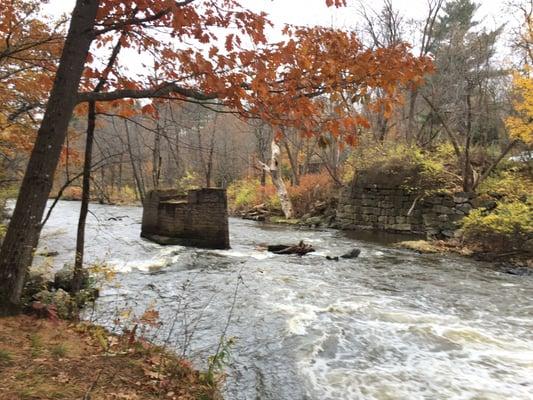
(257, 213)
(300, 249)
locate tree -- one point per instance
(29, 50)
(520, 123)
(523, 36)
(460, 95)
(262, 80)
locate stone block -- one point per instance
(402, 227)
(465, 208)
(386, 204)
(448, 202)
(462, 197)
(200, 219)
(443, 217)
(413, 219)
(443, 210)
(368, 202)
(429, 219)
(435, 200)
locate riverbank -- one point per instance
(308, 326)
(517, 263)
(53, 359)
(322, 217)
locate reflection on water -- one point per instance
(388, 325)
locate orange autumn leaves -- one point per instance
(316, 80)
(227, 59)
(29, 50)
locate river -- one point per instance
(390, 324)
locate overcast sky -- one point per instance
(315, 12)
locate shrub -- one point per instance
(313, 188)
(123, 195)
(409, 167)
(511, 184)
(189, 181)
(72, 193)
(508, 226)
(247, 193)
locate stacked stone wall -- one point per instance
(198, 219)
(397, 210)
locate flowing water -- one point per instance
(390, 324)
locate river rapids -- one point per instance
(390, 324)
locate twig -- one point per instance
(93, 385)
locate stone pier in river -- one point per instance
(198, 219)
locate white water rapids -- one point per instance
(390, 324)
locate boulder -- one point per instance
(420, 246)
(354, 253)
(60, 299)
(38, 279)
(63, 278)
(313, 221)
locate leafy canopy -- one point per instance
(520, 125)
(217, 51)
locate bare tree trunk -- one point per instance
(77, 275)
(468, 172)
(138, 182)
(294, 165)
(121, 162)
(413, 94)
(85, 197)
(112, 179)
(156, 157)
(310, 151)
(22, 235)
(277, 180)
(209, 166)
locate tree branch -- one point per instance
(155, 92)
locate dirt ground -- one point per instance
(45, 359)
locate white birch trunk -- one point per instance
(277, 180)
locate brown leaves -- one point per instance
(336, 3)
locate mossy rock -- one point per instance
(37, 280)
(59, 298)
(420, 246)
(63, 278)
(282, 220)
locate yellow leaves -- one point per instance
(520, 124)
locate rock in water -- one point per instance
(352, 254)
(300, 249)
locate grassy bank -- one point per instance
(46, 359)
